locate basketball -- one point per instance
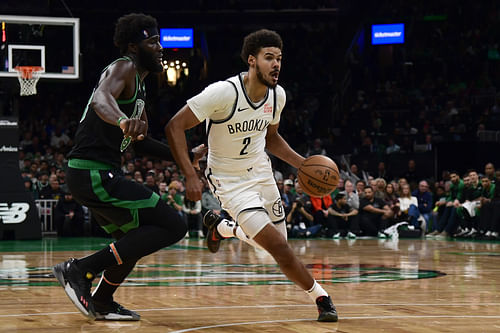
(318, 176)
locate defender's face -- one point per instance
(268, 65)
(150, 54)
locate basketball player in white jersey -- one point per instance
(242, 116)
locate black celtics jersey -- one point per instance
(97, 140)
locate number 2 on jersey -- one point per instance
(246, 142)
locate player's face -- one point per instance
(149, 54)
(268, 65)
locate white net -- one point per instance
(28, 78)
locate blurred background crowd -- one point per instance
(413, 127)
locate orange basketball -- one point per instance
(318, 175)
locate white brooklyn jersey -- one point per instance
(237, 129)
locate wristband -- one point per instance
(120, 119)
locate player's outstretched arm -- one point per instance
(277, 146)
(174, 130)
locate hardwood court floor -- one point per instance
(378, 286)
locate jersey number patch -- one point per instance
(246, 142)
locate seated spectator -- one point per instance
(192, 212)
(424, 198)
(173, 198)
(408, 209)
(287, 197)
(392, 147)
(360, 188)
(53, 191)
(439, 204)
(299, 220)
(316, 149)
(447, 223)
(151, 182)
(489, 172)
(351, 196)
(374, 215)
(486, 218)
(390, 198)
(342, 219)
(320, 208)
(68, 216)
(379, 190)
(209, 201)
(468, 210)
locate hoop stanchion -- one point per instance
(28, 77)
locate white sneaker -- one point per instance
(336, 236)
(200, 234)
(381, 235)
(187, 235)
(351, 235)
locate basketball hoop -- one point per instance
(28, 77)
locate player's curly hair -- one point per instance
(259, 39)
(128, 26)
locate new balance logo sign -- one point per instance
(15, 214)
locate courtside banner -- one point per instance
(388, 34)
(176, 38)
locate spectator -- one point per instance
(300, 221)
(173, 198)
(467, 212)
(489, 171)
(210, 202)
(151, 182)
(374, 215)
(447, 222)
(392, 147)
(382, 172)
(59, 139)
(68, 216)
(192, 212)
(424, 198)
(408, 209)
(411, 174)
(379, 190)
(53, 191)
(351, 195)
(316, 149)
(390, 198)
(439, 204)
(486, 217)
(342, 219)
(287, 195)
(360, 188)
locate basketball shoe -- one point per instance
(114, 311)
(76, 285)
(211, 221)
(326, 309)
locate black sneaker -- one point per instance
(211, 221)
(114, 311)
(326, 309)
(76, 286)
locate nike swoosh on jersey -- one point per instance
(242, 109)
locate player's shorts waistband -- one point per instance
(78, 163)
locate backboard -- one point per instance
(50, 42)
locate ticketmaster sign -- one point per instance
(176, 38)
(388, 34)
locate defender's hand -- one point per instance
(134, 128)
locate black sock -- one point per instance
(111, 279)
(97, 262)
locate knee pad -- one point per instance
(253, 221)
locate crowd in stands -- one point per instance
(440, 86)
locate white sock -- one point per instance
(316, 291)
(225, 228)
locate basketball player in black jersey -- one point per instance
(135, 216)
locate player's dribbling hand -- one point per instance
(134, 128)
(194, 188)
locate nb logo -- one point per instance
(242, 109)
(15, 214)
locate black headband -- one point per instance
(145, 33)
